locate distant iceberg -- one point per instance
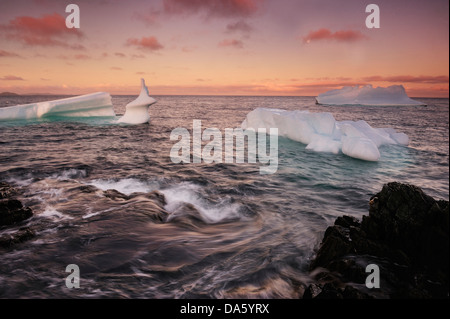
(322, 133)
(367, 95)
(91, 105)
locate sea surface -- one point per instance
(256, 234)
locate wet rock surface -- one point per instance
(406, 234)
(22, 235)
(12, 212)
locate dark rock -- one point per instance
(115, 195)
(329, 291)
(347, 221)
(348, 268)
(336, 243)
(312, 291)
(22, 235)
(410, 221)
(7, 191)
(12, 211)
(407, 229)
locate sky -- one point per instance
(223, 47)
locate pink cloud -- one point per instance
(12, 78)
(82, 57)
(120, 54)
(48, 30)
(150, 18)
(206, 8)
(146, 43)
(238, 44)
(6, 54)
(240, 26)
(408, 79)
(340, 36)
(212, 8)
(116, 68)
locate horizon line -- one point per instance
(2, 94)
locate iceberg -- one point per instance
(95, 104)
(322, 133)
(90, 105)
(367, 95)
(136, 112)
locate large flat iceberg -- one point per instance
(322, 133)
(394, 95)
(90, 105)
(95, 104)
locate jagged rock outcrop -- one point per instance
(406, 231)
(12, 212)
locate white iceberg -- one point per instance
(367, 95)
(322, 133)
(95, 104)
(136, 112)
(90, 105)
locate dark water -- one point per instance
(257, 233)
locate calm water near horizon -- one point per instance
(257, 233)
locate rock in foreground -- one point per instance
(11, 210)
(406, 234)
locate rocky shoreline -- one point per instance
(406, 234)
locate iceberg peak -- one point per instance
(137, 111)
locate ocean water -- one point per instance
(255, 234)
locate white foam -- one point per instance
(189, 193)
(54, 215)
(126, 186)
(176, 196)
(69, 174)
(322, 133)
(394, 95)
(92, 214)
(21, 181)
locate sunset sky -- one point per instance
(224, 47)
